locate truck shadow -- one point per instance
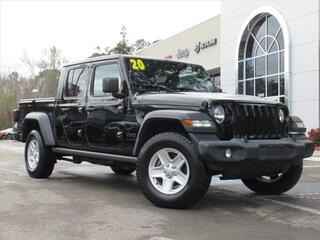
(97, 181)
(227, 199)
(127, 186)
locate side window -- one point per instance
(76, 82)
(101, 72)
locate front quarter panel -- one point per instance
(177, 115)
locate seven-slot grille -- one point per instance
(254, 121)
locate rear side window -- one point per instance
(101, 72)
(76, 82)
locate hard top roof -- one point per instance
(116, 56)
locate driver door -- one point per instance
(104, 126)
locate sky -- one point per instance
(77, 27)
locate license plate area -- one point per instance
(272, 151)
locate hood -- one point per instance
(194, 99)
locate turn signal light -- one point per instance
(196, 123)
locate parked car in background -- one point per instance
(18, 123)
(6, 134)
(16, 131)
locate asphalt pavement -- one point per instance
(90, 202)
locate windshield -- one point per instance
(147, 75)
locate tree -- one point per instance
(51, 60)
(30, 64)
(47, 82)
(48, 78)
(122, 46)
(10, 91)
(100, 52)
(140, 44)
(13, 87)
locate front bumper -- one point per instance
(252, 157)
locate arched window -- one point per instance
(261, 59)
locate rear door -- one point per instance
(105, 115)
(70, 109)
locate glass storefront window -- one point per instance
(282, 62)
(261, 87)
(240, 88)
(279, 39)
(272, 63)
(282, 84)
(250, 87)
(249, 69)
(272, 86)
(261, 68)
(240, 70)
(250, 47)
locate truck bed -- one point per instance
(36, 105)
(37, 100)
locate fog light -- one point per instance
(281, 115)
(228, 153)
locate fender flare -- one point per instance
(177, 115)
(294, 127)
(44, 125)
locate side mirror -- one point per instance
(110, 85)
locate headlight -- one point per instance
(219, 114)
(281, 115)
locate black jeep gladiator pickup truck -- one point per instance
(167, 121)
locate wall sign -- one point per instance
(181, 53)
(202, 45)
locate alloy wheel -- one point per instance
(33, 155)
(169, 171)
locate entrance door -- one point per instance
(104, 127)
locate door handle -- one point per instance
(120, 109)
(81, 109)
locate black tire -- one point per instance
(123, 170)
(46, 160)
(197, 184)
(9, 136)
(283, 184)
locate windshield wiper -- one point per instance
(152, 87)
(188, 89)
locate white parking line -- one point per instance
(268, 199)
(311, 166)
(315, 159)
(295, 206)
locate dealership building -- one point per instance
(269, 49)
